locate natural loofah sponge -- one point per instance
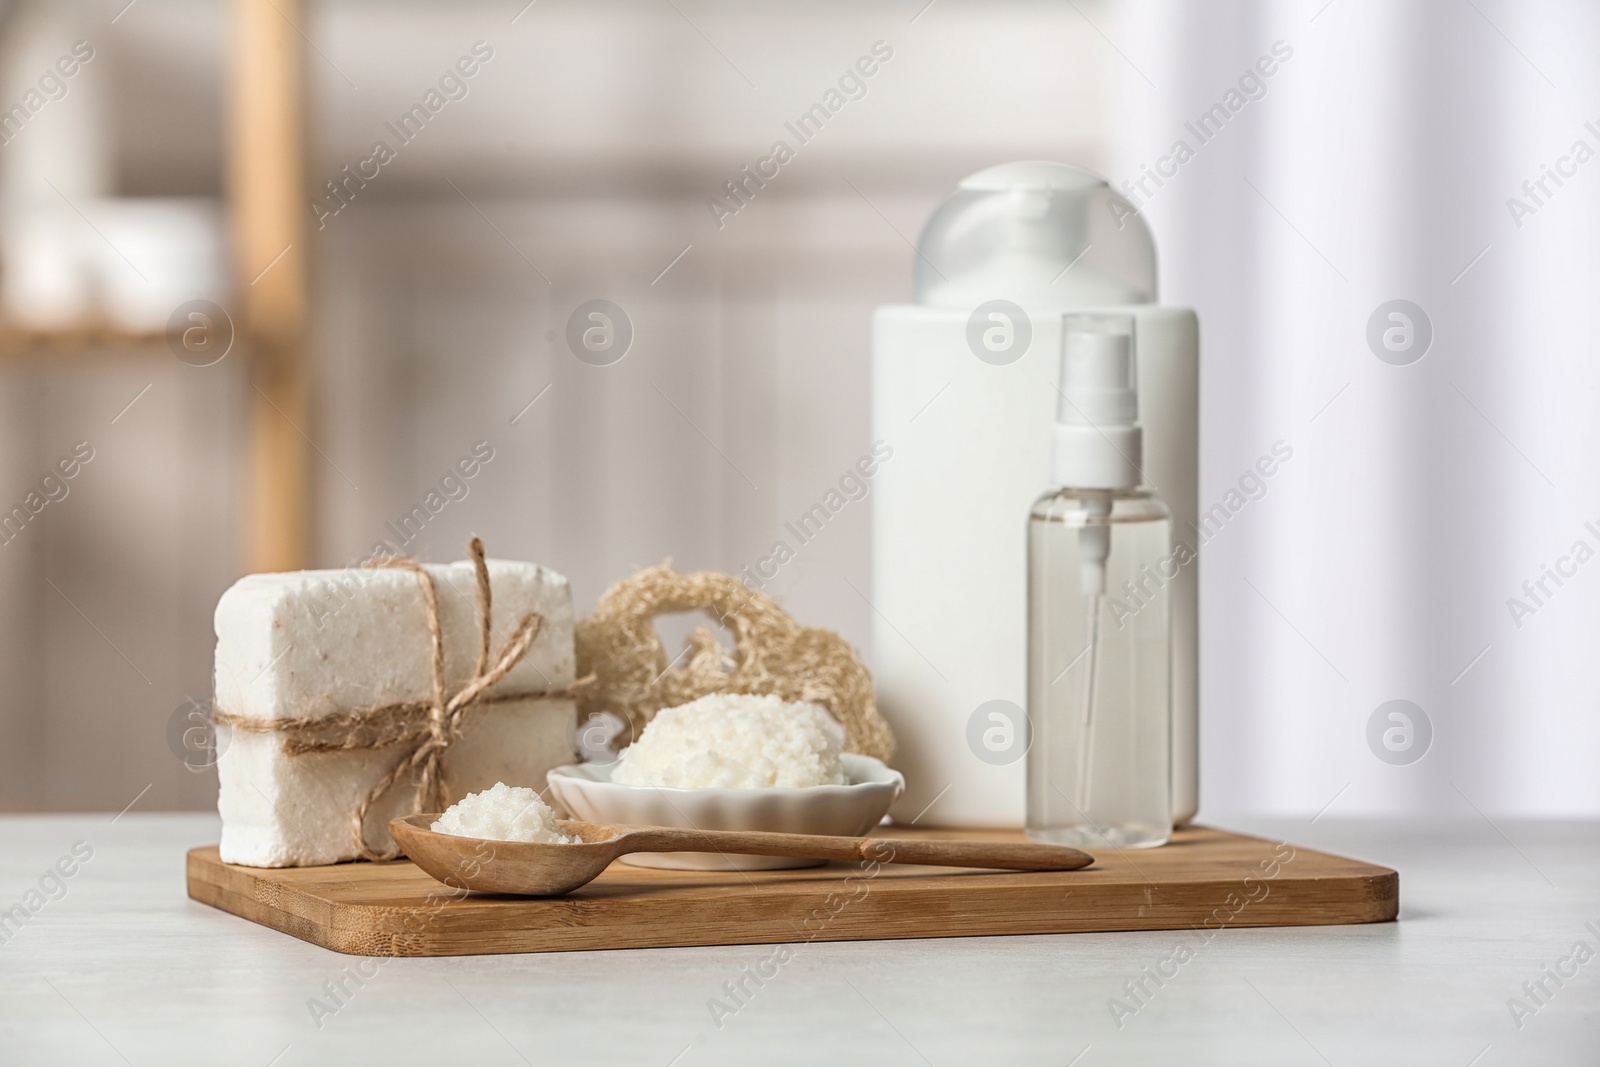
(773, 654)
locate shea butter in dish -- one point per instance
(734, 741)
(732, 762)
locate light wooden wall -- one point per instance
(590, 143)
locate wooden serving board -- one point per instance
(1203, 878)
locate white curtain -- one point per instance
(1376, 164)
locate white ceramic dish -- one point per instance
(847, 810)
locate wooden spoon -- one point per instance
(540, 870)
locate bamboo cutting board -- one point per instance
(1204, 879)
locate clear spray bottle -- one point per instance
(1099, 644)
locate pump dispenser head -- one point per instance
(1045, 235)
(1098, 441)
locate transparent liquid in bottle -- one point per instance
(1099, 691)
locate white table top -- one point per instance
(124, 968)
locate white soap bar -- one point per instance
(311, 643)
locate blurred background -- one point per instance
(366, 319)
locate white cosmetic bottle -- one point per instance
(965, 387)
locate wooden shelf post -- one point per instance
(266, 183)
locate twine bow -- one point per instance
(432, 726)
(444, 714)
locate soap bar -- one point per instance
(310, 644)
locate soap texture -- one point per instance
(316, 643)
(736, 741)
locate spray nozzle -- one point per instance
(1097, 386)
(1098, 443)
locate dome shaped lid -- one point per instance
(1042, 235)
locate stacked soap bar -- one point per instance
(315, 643)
